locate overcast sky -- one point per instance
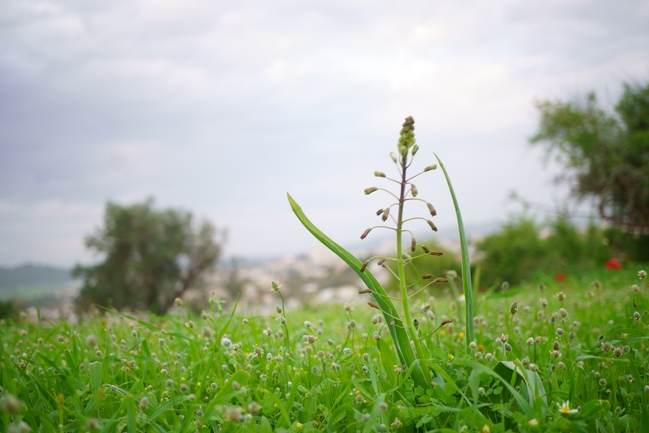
(220, 108)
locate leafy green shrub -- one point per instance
(513, 252)
(518, 249)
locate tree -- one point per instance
(605, 153)
(151, 257)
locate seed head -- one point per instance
(514, 308)
(10, 404)
(92, 341)
(561, 296)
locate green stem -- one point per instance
(414, 334)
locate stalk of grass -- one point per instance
(466, 263)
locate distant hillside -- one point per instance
(30, 275)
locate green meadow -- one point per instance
(549, 356)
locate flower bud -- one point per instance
(374, 305)
(413, 245)
(370, 190)
(430, 167)
(425, 248)
(365, 233)
(414, 190)
(364, 291)
(427, 276)
(514, 308)
(435, 253)
(432, 226)
(431, 209)
(379, 174)
(380, 211)
(380, 262)
(364, 265)
(415, 149)
(440, 280)
(275, 285)
(394, 157)
(385, 215)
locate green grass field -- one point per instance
(571, 357)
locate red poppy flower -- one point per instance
(613, 264)
(560, 278)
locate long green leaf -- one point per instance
(398, 332)
(466, 263)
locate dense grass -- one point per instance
(577, 362)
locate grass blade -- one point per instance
(466, 263)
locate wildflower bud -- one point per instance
(385, 215)
(432, 226)
(426, 250)
(514, 308)
(413, 245)
(508, 347)
(431, 209)
(430, 167)
(555, 345)
(365, 263)
(365, 233)
(370, 190)
(617, 352)
(561, 296)
(379, 212)
(275, 285)
(364, 291)
(394, 157)
(414, 190)
(415, 149)
(504, 338)
(425, 308)
(436, 253)
(427, 276)
(144, 403)
(415, 323)
(380, 262)
(374, 305)
(636, 317)
(642, 274)
(178, 302)
(446, 322)
(379, 174)
(440, 280)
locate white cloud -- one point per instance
(220, 108)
